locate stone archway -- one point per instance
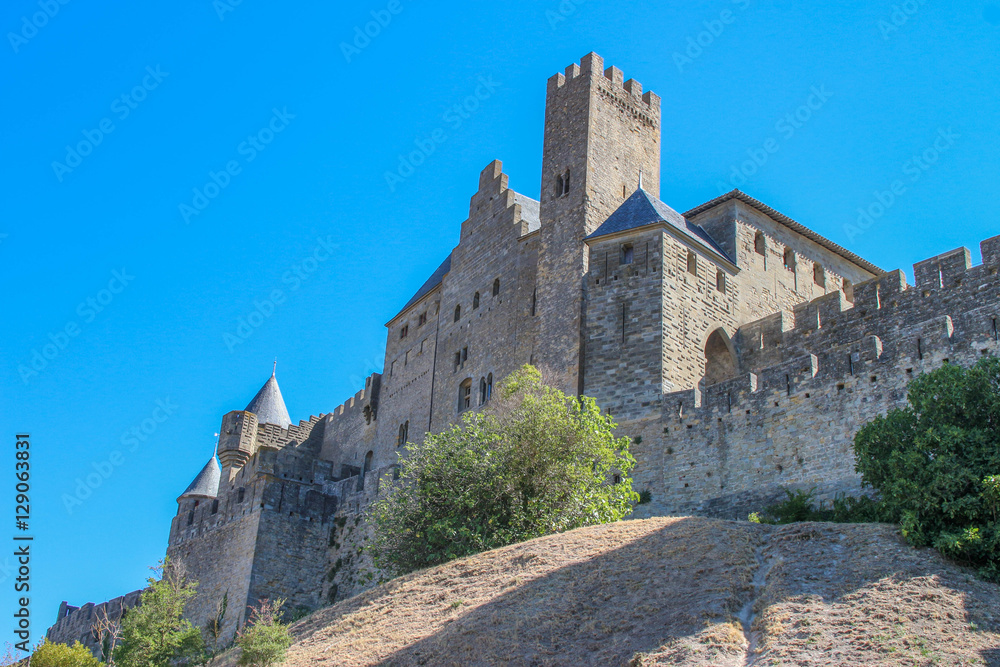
(720, 358)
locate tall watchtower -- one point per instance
(600, 133)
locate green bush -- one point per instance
(533, 462)
(266, 639)
(935, 463)
(155, 634)
(60, 655)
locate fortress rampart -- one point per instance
(808, 381)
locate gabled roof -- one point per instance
(206, 484)
(642, 209)
(269, 406)
(791, 224)
(428, 285)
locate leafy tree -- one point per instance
(266, 639)
(60, 655)
(533, 462)
(935, 463)
(155, 634)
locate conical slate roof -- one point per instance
(643, 209)
(269, 406)
(206, 484)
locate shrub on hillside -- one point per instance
(935, 463)
(533, 462)
(266, 639)
(155, 634)
(60, 655)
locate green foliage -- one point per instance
(266, 639)
(799, 506)
(155, 634)
(532, 463)
(935, 463)
(60, 655)
(645, 496)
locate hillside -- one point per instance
(671, 591)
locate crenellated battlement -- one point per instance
(808, 379)
(76, 623)
(592, 66)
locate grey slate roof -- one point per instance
(791, 224)
(642, 209)
(269, 406)
(529, 211)
(206, 484)
(430, 283)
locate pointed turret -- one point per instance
(269, 406)
(206, 484)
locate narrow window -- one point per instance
(400, 438)
(692, 263)
(405, 330)
(458, 313)
(458, 360)
(819, 275)
(406, 358)
(628, 253)
(482, 390)
(215, 506)
(623, 324)
(368, 463)
(759, 244)
(475, 301)
(465, 354)
(559, 186)
(789, 259)
(720, 281)
(240, 495)
(404, 433)
(496, 287)
(465, 395)
(392, 367)
(489, 386)
(190, 517)
(566, 183)
(534, 301)
(848, 290)
(422, 320)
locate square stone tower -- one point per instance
(600, 132)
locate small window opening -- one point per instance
(489, 386)
(819, 275)
(559, 186)
(405, 330)
(458, 313)
(482, 390)
(190, 517)
(720, 281)
(692, 263)
(789, 259)
(496, 287)
(422, 320)
(215, 506)
(465, 354)
(628, 253)
(240, 495)
(759, 244)
(920, 349)
(566, 183)
(534, 302)
(465, 395)
(475, 301)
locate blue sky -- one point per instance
(260, 105)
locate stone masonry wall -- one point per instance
(811, 382)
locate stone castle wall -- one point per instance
(808, 382)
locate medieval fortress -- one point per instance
(737, 348)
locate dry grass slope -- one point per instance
(671, 591)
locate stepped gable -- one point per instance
(269, 406)
(642, 209)
(206, 484)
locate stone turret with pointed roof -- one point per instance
(206, 484)
(269, 406)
